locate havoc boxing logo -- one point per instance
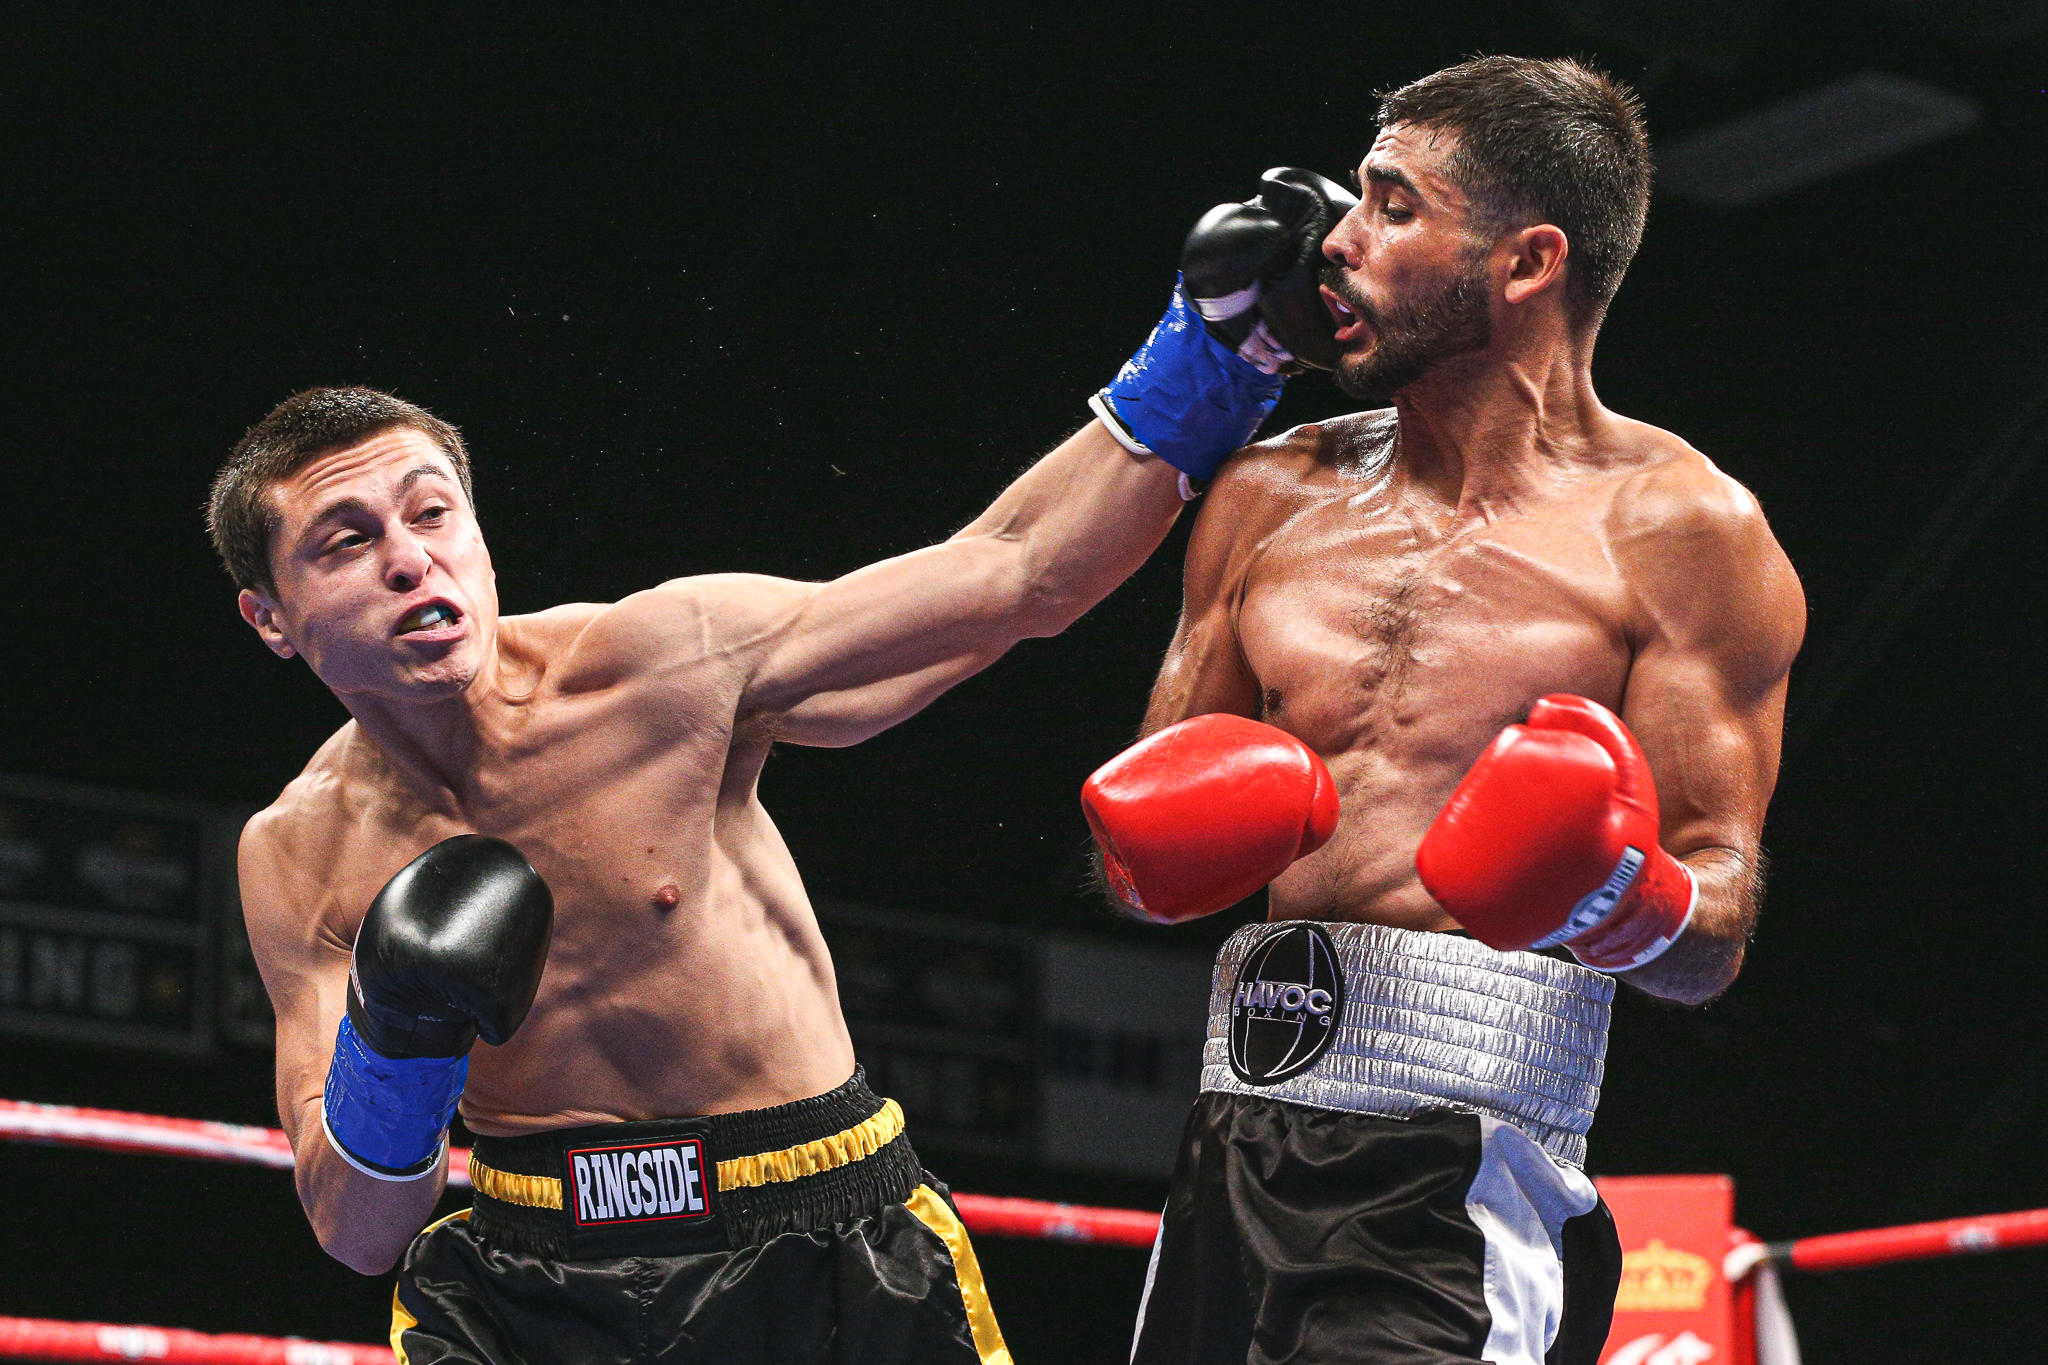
(639, 1184)
(1285, 1005)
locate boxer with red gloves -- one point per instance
(1540, 651)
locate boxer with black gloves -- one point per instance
(675, 1145)
(1538, 653)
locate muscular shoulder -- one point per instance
(295, 847)
(711, 626)
(1287, 468)
(1265, 484)
(1701, 560)
(1669, 492)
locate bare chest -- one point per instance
(615, 806)
(1371, 636)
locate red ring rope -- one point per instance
(115, 1131)
(1915, 1241)
(111, 1130)
(41, 1339)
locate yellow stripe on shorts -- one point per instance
(402, 1320)
(936, 1214)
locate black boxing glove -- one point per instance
(1252, 269)
(451, 950)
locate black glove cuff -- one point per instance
(397, 1036)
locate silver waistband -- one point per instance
(1432, 1021)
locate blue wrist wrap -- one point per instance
(1185, 396)
(387, 1114)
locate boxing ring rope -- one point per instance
(1913, 1241)
(111, 1130)
(41, 1339)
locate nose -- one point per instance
(407, 562)
(1342, 246)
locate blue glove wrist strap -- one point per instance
(388, 1116)
(1185, 396)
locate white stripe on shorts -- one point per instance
(1519, 1201)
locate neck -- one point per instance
(1482, 427)
(435, 746)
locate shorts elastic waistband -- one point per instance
(1372, 1020)
(669, 1186)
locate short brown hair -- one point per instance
(239, 515)
(1544, 141)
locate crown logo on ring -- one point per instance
(1662, 1279)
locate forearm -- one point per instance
(363, 1222)
(1705, 959)
(1073, 527)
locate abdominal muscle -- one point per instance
(1366, 873)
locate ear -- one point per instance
(261, 614)
(1536, 257)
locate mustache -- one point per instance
(1333, 278)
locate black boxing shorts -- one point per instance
(1384, 1166)
(1302, 1235)
(806, 1232)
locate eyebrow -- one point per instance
(341, 507)
(1384, 175)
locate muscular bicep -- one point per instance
(1723, 616)
(1204, 672)
(305, 972)
(814, 663)
(832, 663)
(1712, 742)
(864, 651)
(873, 641)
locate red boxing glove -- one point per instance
(1552, 838)
(1197, 817)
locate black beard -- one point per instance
(1414, 336)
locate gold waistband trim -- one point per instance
(528, 1191)
(857, 1143)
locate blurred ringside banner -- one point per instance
(120, 926)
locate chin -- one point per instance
(438, 684)
(423, 684)
(1353, 376)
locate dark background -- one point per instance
(765, 288)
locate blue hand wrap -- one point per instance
(1185, 396)
(386, 1115)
